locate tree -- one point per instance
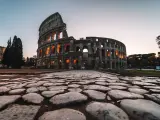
(17, 53)
(158, 40)
(6, 60)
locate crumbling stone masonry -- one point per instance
(57, 50)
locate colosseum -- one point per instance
(59, 51)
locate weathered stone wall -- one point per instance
(57, 50)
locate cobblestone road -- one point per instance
(79, 95)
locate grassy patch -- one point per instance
(150, 73)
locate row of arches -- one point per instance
(74, 63)
(105, 53)
(52, 36)
(53, 49)
(110, 43)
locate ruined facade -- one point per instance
(57, 50)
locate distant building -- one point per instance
(148, 61)
(2, 49)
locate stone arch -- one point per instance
(67, 47)
(85, 49)
(53, 49)
(78, 49)
(60, 35)
(55, 36)
(103, 50)
(59, 48)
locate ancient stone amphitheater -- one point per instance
(57, 50)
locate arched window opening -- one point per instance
(112, 53)
(48, 38)
(108, 53)
(59, 48)
(75, 61)
(67, 61)
(103, 53)
(52, 49)
(60, 35)
(52, 62)
(43, 52)
(116, 52)
(77, 49)
(52, 36)
(102, 46)
(47, 50)
(40, 53)
(120, 55)
(67, 47)
(85, 52)
(85, 49)
(55, 36)
(92, 49)
(97, 52)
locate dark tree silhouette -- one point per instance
(6, 60)
(158, 40)
(17, 53)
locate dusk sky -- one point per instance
(136, 23)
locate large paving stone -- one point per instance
(75, 90)
(86, 82)
(152, 87)
(142, 83)
(19, 86)
(4, 90)
(111, 81)
(42, 88)
(48, 84)
(6, 100)
(119, 94)
(32, 90)
(96, 95)
(118, 84)
(33, 98)
(101, 83)
(151, 81)
(118, 87)
(55, 88)
(19, 112)
(106, 111)
(51, 93)
(141, 109)
(63, 114)
(36, 84)
(155, 90)
(138, 90)
(97, 87)
(17, 91)
(73, 85)
(67, 98)
(154, 97)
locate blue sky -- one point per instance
(134, 22)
